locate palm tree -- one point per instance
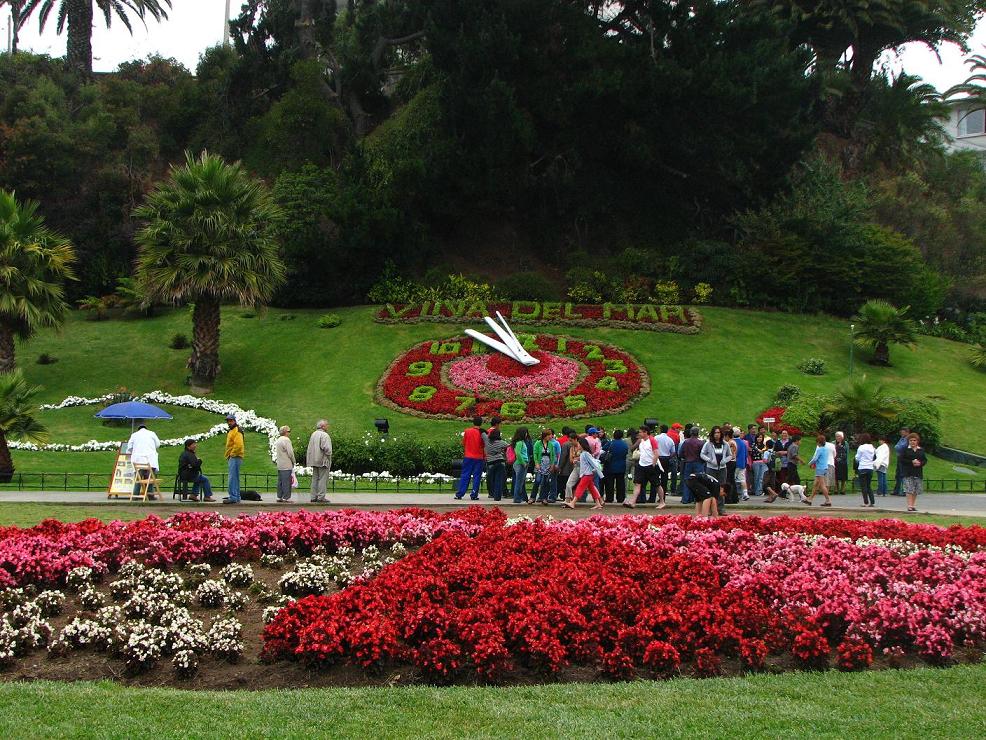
(978, 358)
(16, 421)
(859, 404)
(35, 262)
(878, 325)
(78, 16)
(208, 237)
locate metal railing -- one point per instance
(267, 483)
(261, 482)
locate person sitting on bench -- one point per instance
(190, 471)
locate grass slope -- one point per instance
(296, 373)
(914, 703)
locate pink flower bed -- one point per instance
(475, 374)
(43, 554)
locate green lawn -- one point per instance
(296, 373)
(922, 703)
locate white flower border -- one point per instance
(247, 419)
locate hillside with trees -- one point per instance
(628, 150)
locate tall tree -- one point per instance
(35, 262)
(209, 236)
(77, 16)
(16, 419)
(17, 19)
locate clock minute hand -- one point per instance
(490, 342)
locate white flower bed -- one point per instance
(248, 419)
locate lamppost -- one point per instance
(852, 341)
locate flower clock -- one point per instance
(462, 377)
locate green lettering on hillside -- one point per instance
(525, 310)
(393, 313)
(570, 313)
(647, 313)
(456, 308)
(550, 310)
(477, 309)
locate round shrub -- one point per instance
(786, 394)
(45, 359)
(329, 321)
(179, 341)
(812, 366)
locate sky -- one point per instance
(194, 25)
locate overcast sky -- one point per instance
(194, 26)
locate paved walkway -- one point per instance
(965, 504)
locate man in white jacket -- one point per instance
(143, 446)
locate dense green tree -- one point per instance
(208, 236)
(17, 422)
(35, 262)
(77, 16)
(880, 324)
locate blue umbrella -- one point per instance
(133, 410)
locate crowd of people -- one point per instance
(723, 467)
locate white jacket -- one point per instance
(882, 461)
(143, 446)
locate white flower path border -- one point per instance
(247, 419)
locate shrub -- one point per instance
(667, 293)
(786, 394)
(179, 341)
(394, 288)
(919, 415)
(702, 293)
(585, 293)
(635, 289)
(527, 286)
(460, 288)
(978, 357)
(329, 321)
(812, 366)
(248, 315)
(45, 359)
(402, 454)
(806, 412)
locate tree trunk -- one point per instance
(78, 54)
(16, 23)
(8, 360)
(204, 362)
(6, 461)
(881, 354)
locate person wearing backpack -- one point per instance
(521, 459)
(546, 462)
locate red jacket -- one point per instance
(472, 444)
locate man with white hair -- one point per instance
(143, 446)
(319, 459)
(284, 459)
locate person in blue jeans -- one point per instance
(473, 459)
(235, 447)
(521, 460)
(190, 471)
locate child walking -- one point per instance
(589, 468)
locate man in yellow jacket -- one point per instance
(234, 458)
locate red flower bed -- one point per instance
(418, 382)
(651, 317)
(631, 596)
(776, 427)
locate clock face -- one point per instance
(461, 377)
